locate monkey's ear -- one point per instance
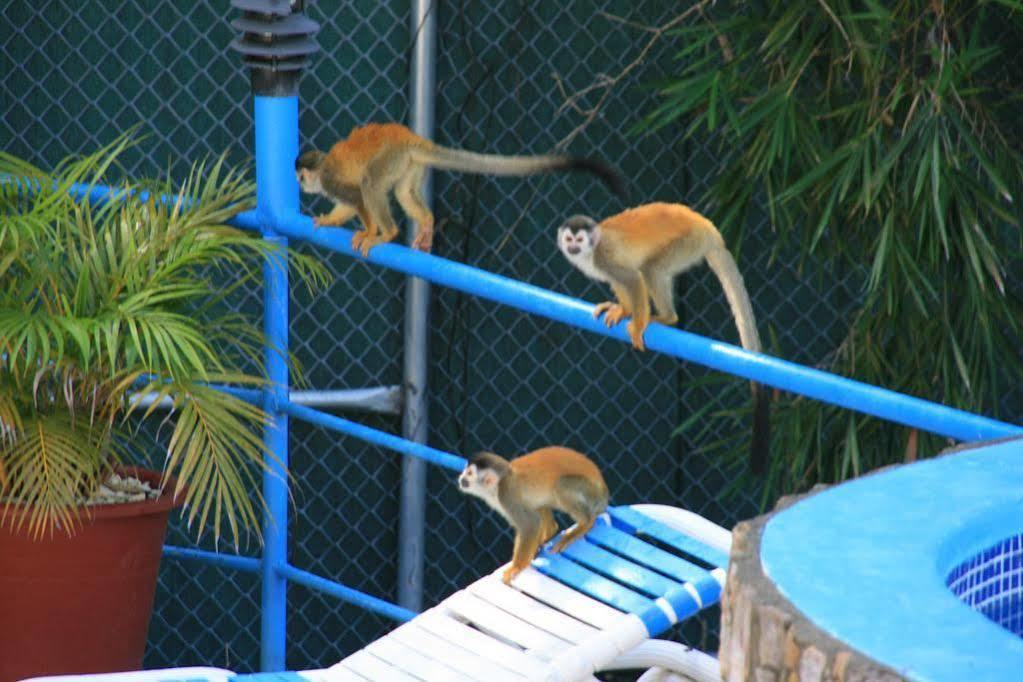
(489, 478)
(594, 236)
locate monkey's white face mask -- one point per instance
(481, 483)
(478, 482)
(309, 181)
(577, 245)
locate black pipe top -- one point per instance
(276, 41)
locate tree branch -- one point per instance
(606, 83)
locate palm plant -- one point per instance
(882, 138)
(103, 302)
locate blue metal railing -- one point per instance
(830, 388)
(278, 219)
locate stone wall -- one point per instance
(764, 638)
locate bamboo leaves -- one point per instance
(882, 137)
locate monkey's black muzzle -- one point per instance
(573, 250)
(463, 483)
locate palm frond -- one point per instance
(98, 296)
(50, 468)
(217, 455)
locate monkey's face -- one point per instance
(479, 481)
(576, 242)
(309, 181)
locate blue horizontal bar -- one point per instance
(251, 395)
(387, 440)
(722, 356)
(352, 596)
(789, 376)
(232, 561)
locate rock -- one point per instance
(811, 665)
(122, 489)
(764, 638)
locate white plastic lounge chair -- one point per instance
(640, 570)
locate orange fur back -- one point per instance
(349, 157)
(542, 468)
(651, 227)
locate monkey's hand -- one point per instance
(321, 220)
(614, 314)
(601, 307)
(362, 242)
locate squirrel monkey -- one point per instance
(358, 174)
(639, 252)
(526, 489)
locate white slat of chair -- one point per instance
(491, 589)
(335, 673)
(427, 643)
(372, 668)
(509, 657)
(413, 662)
(563, 598)
(503, 624)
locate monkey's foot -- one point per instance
(510, 573)
(636, 335)
(321, 220)
(561, 544)
(423, 241)
(664, 319)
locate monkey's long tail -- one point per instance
(723, 265)
(494, 164)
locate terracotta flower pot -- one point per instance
(81, 604)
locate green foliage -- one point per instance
(100, 301)
(882, 137)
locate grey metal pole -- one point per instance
(379, 399)
(416, 420)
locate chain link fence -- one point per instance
(79, 72)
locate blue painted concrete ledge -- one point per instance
(867, 562)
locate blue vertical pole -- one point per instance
(276, 196)
(276, 42)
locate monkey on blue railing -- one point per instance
(358, 174)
